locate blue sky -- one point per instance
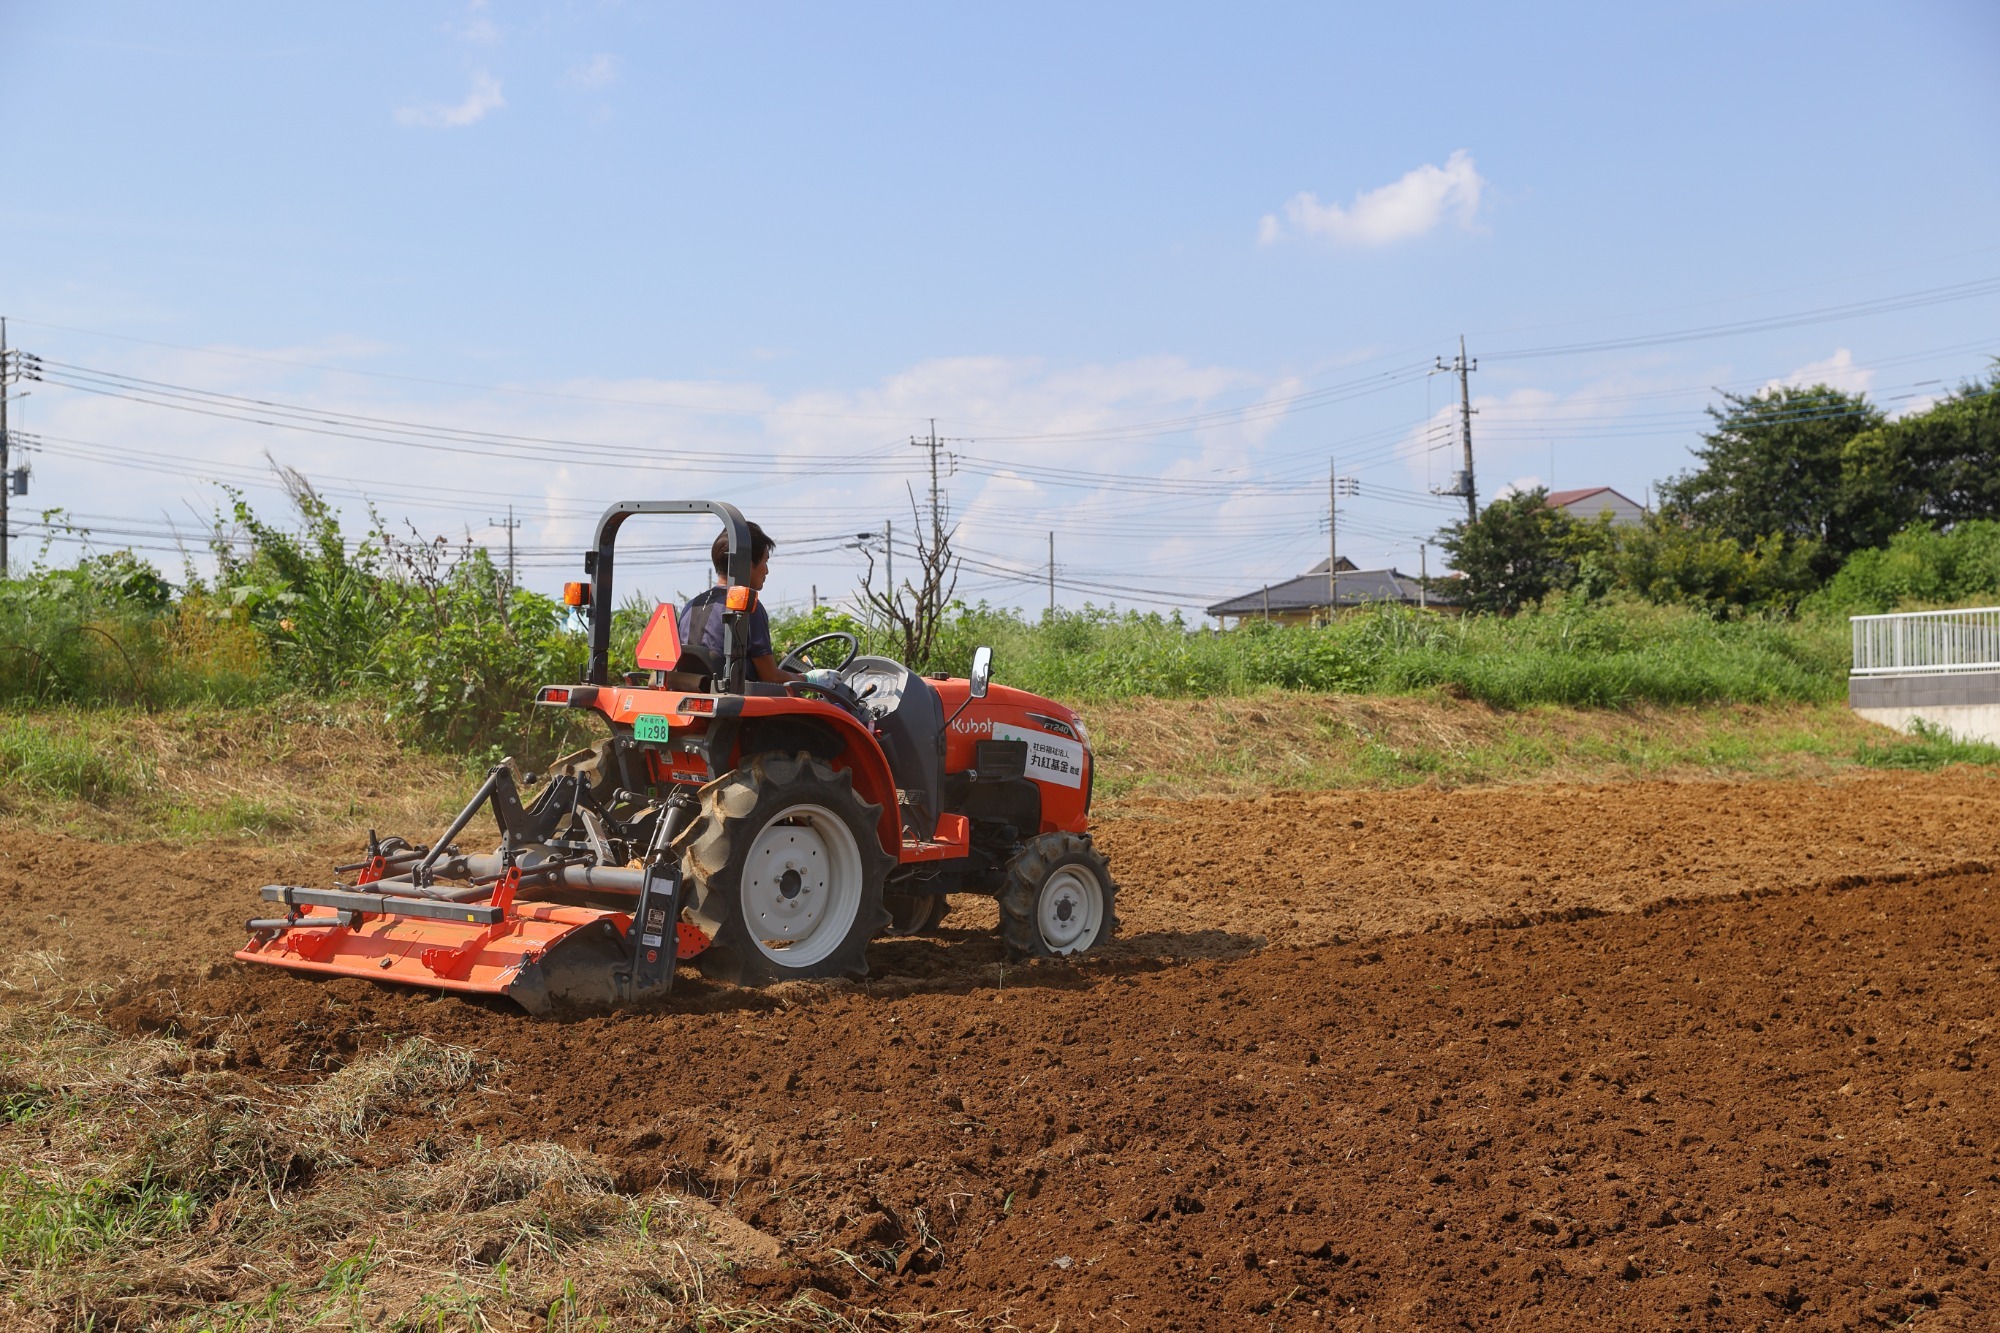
(1148, 266)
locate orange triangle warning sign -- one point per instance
(660, 644)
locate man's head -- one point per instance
(761, 547)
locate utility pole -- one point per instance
(934, 443)
(889, 553)
(1052, 573)
(1424, 575)
(1332, 538)
(1336, 486)
(511, 524)
(1464, 484)
(6, 478)
(13, 480)
(937, 518)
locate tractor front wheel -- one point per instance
(785, 872)
(1058, 899)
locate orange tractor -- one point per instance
(770, 830)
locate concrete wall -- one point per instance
(1966, 704)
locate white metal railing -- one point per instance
(1927, 642)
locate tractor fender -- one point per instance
(861, 754)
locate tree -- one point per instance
(1517, 551)
(1671, 561)
(914, 609)
(1939, 467)
(1776, 465)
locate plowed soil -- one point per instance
(1638, 1055)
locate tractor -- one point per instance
(770, 831)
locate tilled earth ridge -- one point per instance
(1305, 867)
(1206, 877)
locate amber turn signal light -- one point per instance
(742, 598)
(576, 594)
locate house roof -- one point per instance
(1307, 592)
(1564, 499)
(1346, 566)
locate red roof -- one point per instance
(1557, 499)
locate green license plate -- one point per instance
(649, 727)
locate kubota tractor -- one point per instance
(770, 830)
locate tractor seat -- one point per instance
(909, 720)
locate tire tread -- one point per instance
(1026, 874)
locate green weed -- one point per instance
(1927, 747)
(38, 758)
(236, 816)
(45, 1223)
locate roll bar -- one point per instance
(597, 563)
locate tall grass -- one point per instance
(432, 634)
(36, 757)
(65, 640)
(1581, 654)
(460, 673)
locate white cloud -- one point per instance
(484, 98)
(1837, 371)
(477, 28)
(600, 71)
(1395, 212)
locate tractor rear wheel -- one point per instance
(785, 873)
(1058, 899)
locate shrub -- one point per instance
(1920, 567)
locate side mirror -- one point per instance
(982, 671)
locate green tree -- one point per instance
(1937, 467)
(1518, 551)
(1673, 562)
(1776, 466)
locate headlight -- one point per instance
(1082, 732)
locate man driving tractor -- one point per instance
(701, 618)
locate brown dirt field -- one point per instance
(1735, 1072)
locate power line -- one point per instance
(1959, 291)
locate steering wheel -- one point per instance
(795, 658)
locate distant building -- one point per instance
(1301, 600)
(1587, 504)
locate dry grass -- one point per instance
(1244, 746)
(148, 1184)
(359, 1096)
(284, 772)
(324, 776)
